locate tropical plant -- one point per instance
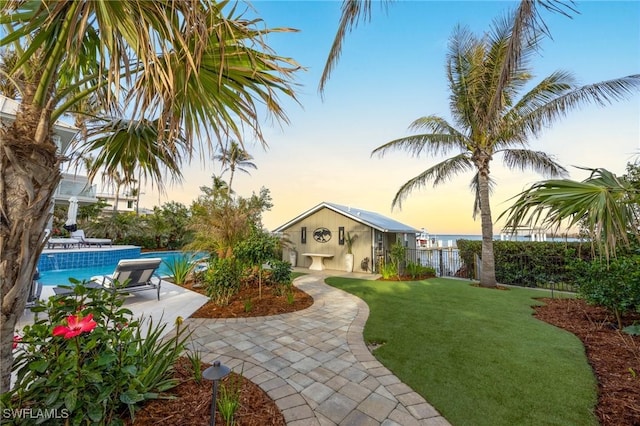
(483, 128)
(180, 267)
(193, 67)
(89, 357)
(605, 204)
(219, 223)
(235, 157)
(398, 255)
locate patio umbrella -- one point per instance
(70, 225)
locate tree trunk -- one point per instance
(488, 275)
(29, 175)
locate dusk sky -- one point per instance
(392, 71)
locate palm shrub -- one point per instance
(614, 285)
(89, 360)
(180, 267)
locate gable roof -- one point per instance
(371, 219)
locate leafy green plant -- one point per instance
(229, 398)
(614, 286)
(280, 271)
(398, 255)
(290, 297)
(222, 280)
(195, 360)
(248, 305)
(388, 270)
(633, 330)
(89, 357)
(180, 267)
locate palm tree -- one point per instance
(606, 204)
(234, 157)
(195, 66)
(483, 129)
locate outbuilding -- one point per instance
(323, 236)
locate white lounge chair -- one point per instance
(133, 275)
(79, 235)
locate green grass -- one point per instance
(478, 355)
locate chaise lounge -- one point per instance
(79, 235)
(133, 275)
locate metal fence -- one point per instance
(519, 270)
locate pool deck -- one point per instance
(174, 301)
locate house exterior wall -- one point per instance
(333, 221)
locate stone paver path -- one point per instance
(314, 363)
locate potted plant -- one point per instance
(349, 240)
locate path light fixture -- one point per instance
(215, 373)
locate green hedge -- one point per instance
(529, 264)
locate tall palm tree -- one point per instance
(481, 130)
(606, 204)
(235, 157)
(196, 66)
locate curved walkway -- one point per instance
(314, 363)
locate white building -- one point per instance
(71, 185)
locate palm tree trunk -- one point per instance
(488, 275)
(29, 175)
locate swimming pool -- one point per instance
(61, 276)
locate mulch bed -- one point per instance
(191, 405)
(613, 355)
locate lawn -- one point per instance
(478, 355)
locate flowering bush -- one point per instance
(90, 359)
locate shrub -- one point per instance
(89, 360)
(615, 286)
(388, 270)
(280, 272)
(222, 280)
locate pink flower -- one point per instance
(75, 326)
(16, 340)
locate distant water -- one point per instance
(445, 238)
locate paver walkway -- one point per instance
(314, 363)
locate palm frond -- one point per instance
(603, 202)
(475, 188)
(437, 174)
(135, 146)
(538, 161)
(353, 12)
(442, 140)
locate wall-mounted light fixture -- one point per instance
(341, 235)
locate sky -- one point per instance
(391, 72)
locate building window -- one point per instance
(341, 235)
(303, 235)
(129, 204)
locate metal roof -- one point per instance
(372, 219)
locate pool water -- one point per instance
(57, 277)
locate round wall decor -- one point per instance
(321, 235)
